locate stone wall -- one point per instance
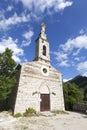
(80, 107)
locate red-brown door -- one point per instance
(45, 102)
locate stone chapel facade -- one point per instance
(39, 84)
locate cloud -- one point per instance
(1, 14)
(71, 50)
(76, 52)
(34, 10)
(15, 19)
(61, 58)
(77, 58)
(41, 6)
(9, 8)
(80, 42)
(12, 44)
(82, 68)
(62, 4)
(64, 63)
(82, 31)
(28, 36)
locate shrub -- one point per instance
(30, 112)
(17, 115)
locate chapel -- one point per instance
(39, 84)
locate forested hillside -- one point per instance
(81, 82)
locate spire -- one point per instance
(42, 32)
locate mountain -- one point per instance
(81, 81)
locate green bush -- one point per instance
(17, 115)
(30, 112)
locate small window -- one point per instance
(44, 70)
(44, 50)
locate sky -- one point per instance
(66, 30)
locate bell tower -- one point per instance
(42, 46)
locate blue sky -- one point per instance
(66, 29)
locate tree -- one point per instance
(72, 94)
(7, 79)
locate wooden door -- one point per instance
(45, 102)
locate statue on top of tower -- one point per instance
(43, 28)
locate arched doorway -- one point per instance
(45, 99)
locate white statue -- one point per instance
(43, 27)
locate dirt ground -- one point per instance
(46, 121)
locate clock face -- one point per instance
(45, 70)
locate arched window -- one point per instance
(44, 50)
